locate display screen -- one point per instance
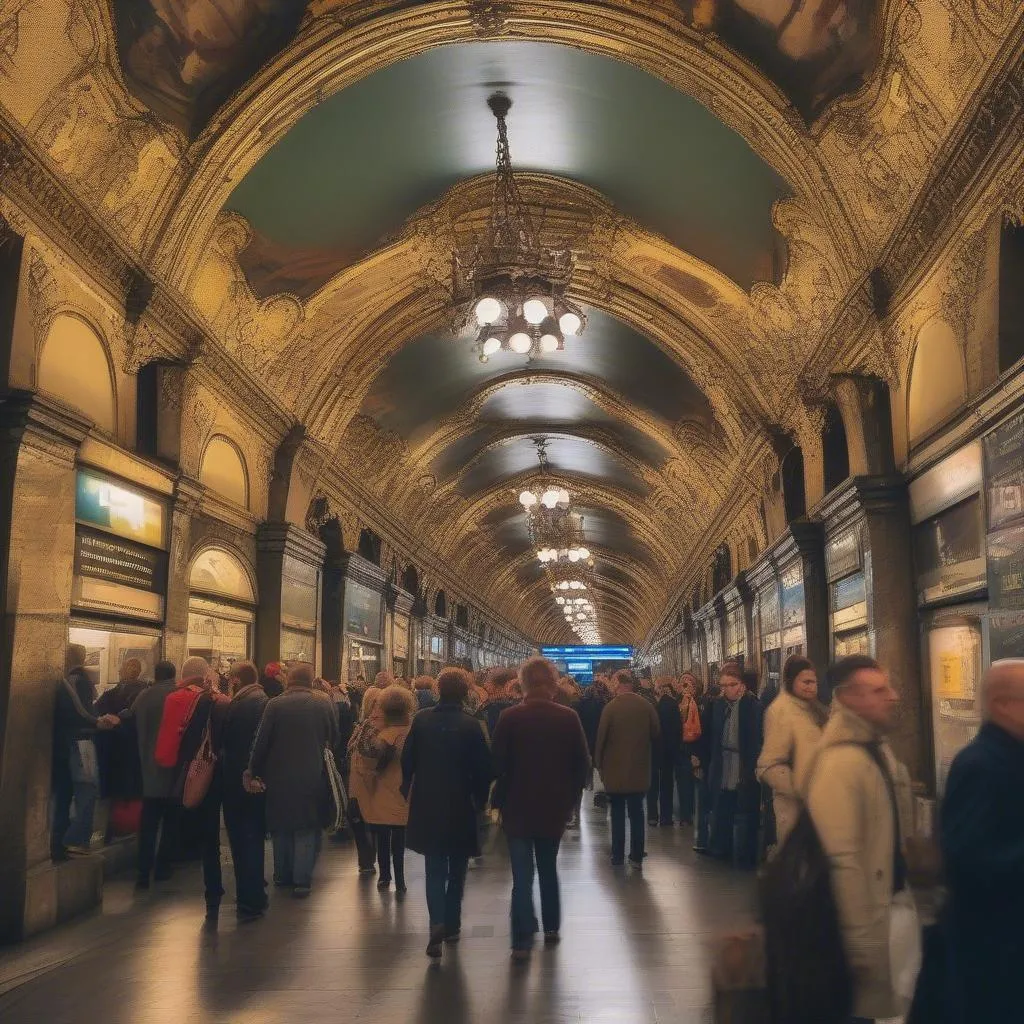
(120, 510)
(362, 611)
(582, 663)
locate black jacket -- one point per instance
(446, 776)
(749, 711)
(241, 722)
(117, 750)
(73, 721)
(589, 709)
(671, 721)
(491, 712)
(983, 848)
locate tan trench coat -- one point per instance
(791, 736)
(849, 804)
(628, 730)
(378, 792)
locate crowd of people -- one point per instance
(429, 765)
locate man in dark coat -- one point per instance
(503, 699)
(541, 762)
(446, 776)
(288, 763)
(117, 750)
(731, 753)
(160, 811)
(244, 813)
(983, 850)
(663, 770)
(75, 776)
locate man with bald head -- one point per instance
(982, 838)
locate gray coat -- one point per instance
(288, 755)
(146, 713)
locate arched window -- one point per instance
(721, 568)
(411, 580)
(938, 384)
(834, 449)
(1011, 295)
(441, 605)
(223, 470)
(792, 475)
(74, 366)
(369, 546)
(218, 572)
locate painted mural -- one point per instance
(814, 50)
(184, 58)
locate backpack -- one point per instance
(178, 709)
(691, 723)
(808, 975)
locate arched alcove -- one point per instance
(835, 450)
(792, 479)
(441, 605)
(223, 470)
(369, 546)
(75, 367)
(218, 572)
(1011, 295)
(938, 383)
(721, 568)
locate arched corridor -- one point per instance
(636, 949)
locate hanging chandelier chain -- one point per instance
(512, 229)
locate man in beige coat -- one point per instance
(628, 735)
(858, 795)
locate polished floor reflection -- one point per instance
(635, 950)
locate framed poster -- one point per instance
(362, 611)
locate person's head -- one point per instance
(799, 677)
(164, 672)
(664, 686)
(131, 670)
(423, 682)
(502, 680)
(74, 657)
(243, 674)
(197, 670)
(276, 670)
(300, 676)
(1003, 696)
(624, 681)
(750, 680)
(395, 705)
(370, 697)
(730, 680)
(539, 679)
(383, 680)
(861, 685)
(688, 684)
(453, 685)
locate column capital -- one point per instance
(289, 539)
(44, 423)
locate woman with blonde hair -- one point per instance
(357, 795)
(377, 764)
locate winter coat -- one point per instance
(628, 735)
(491, 712)
(670, 720)
(241, 723)
(377, 765)
(117, 750)
(983, 849)
(146, 714)
(791, 735)
(542, 763)
(851, 809)
(446, 774)
(589, 709)
(749, 711)
(288, 755)
(425, 699)
(73, 720)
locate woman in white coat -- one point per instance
(792, 728)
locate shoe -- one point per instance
(368, 871)
(452, 938)
(552, 938)
(686, 823)
(652, 822)
(617, 862)
(383, 884)
(78, 851)
(400, 888)
(300, 892)
(246, 915)
(280, 883)
(638, 864)
(435, 947)
(212, 918)
(521, 956)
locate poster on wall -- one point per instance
(1006, 634)
(1006, 568)
(949, 555)
(1004, 472)
(120, 510)
(362, 611)
(400, 644)
(792, 597)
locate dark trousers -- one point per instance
(702, 814)
(390, 849)
(522, 855)
(362, 836)
(633, 803)
(245, 822)
(205, 823)
(686, 786)
(734, 827)
(446, 883)
(160, 818)
(661, 795)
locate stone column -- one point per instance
(39, 441)
(187, 501)
(276, 542)
(808, 537)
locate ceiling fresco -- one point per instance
(336, 186)
(184, 58)
(814, 50)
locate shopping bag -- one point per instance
(339, 797)
(125, 817)
(199, 773)
(904, 947)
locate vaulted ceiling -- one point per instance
(727, 174)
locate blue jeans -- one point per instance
(446, 882)
(522, 853)
(295, 856)
(634, 802)
(74, 798)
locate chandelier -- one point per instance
(506, 287)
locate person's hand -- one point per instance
(108, 722)
(695, 760)
(251, 784)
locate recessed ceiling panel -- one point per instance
(553, 403)
(358, 165)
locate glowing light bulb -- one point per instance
(574, 556)
(535, 311)
(550, 498)
(548, 343)
(527, 499)
(488, 310)
(570, 324)
(491, 346)
(520, 342)
(584, 553)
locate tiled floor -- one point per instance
(635, 950)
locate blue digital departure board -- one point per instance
(583, 662)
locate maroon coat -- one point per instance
(542, 762)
